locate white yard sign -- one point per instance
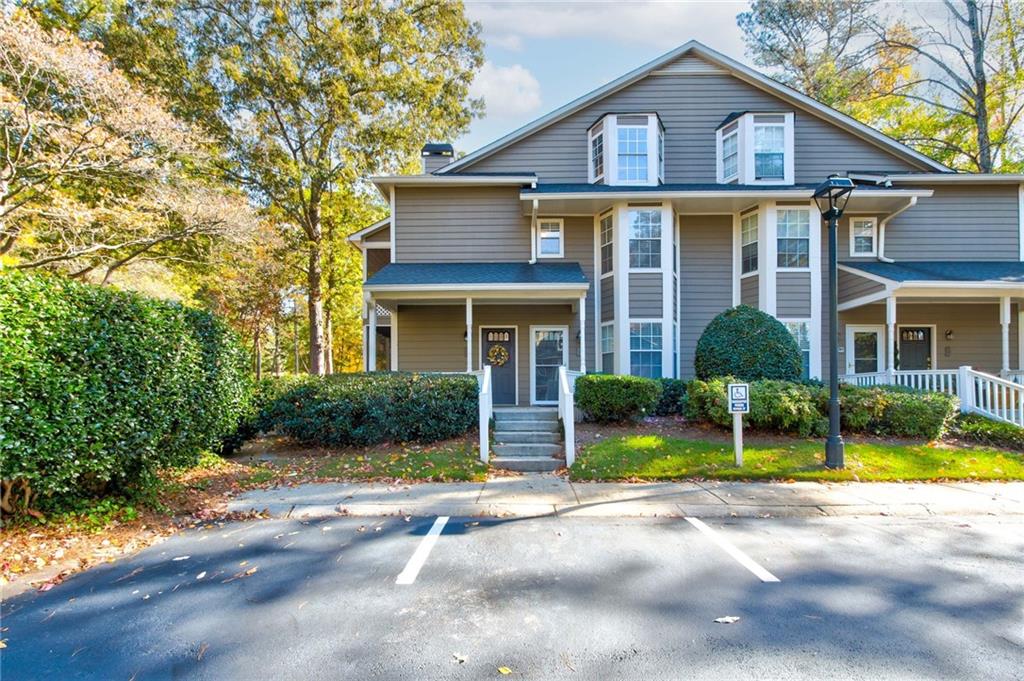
(738, 395)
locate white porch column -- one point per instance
(469, 334)
(890, 335)
(371, 341)
(1004, 321)
(583, 334)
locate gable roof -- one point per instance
(737, 70)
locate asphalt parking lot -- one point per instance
(551, 597)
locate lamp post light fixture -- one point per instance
(831, 197)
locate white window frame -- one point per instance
(597, 131)
(850, 360)
(600, 349)
(629, 237)
(745, 166)
(659, 352)
(757, 241)
(561, 237)
(810, 339)
(810, 241)
(601, 243)
(647, 154)
(533, 358)
(854, 253)
(661, 152)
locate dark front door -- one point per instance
(499, 351)
(915, 348)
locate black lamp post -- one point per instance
(831, 197)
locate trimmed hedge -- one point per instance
(802, 408)
(371, 408)
(986, 431)
(99, 388)
(673, 394)
(748, 344)
(606, 398)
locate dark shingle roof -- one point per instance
(479, 273)
(945, 270)
(580, 187)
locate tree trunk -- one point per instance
(277, 345)
(328, 341)
(257, 353)
(315, 293)
(981, 88)
(295, 329)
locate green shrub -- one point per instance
(366, 409)
(606, 398)
(986, 431)
(673, 392)
(748, 344)
(100, 388)
(802, 408)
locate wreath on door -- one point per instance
(497, 355)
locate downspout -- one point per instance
(533, 233)
(881, 229)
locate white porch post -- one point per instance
(890, 336)
(583, 334)
(1004, 321)
(371, 341)
(469, 334)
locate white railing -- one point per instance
(1014, 375)
(991, 396)
(938, 381)
(486, 402)
(567, 410)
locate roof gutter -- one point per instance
(937, 178)
(881, 228)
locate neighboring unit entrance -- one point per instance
(864, 348)
(498, 349)
(549, 349)
(915, 348)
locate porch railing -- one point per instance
(567, 410)
(486, 407)
(938, 381)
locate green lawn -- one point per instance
(448, 462)
(656, 457)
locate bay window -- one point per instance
(626, 149)
(632, 154)
(608, 347)
(756, 148)
(597, 154)
(607, 241)
(645, 349)
(769, 147)
(748, 244)
(802, 335)
(645, 238)
(794, 238)
(730, 152)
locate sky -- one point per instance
(542, 54)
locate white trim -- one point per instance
(816, 332)
(469, 334)
(561, 238)
(371, 357)
(599, 347)
(394, 339)
(629, 347)
(935, 347)
(620, 260)
(940, 178)
(757, 227)
(810, 239)
(866, 275)
(372, 245)
(597, 291)
(767, 235)
(582, 345)
(480, 358)
(394, 224)
(738, 70)
(533, 357)
(1020, 340)
(1020, 220)
(874, 236)
(865, 300)
(366, 231)
(880, 351)
(667, 258)
(737, 259)
(658, 195)
(597, 130)
(566, 288)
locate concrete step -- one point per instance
(526, 426)
(537, 450)
(527, 464)
(526, 437)
(525, 414)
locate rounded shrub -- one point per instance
(748, 344)
(100, 388)
(606, 398)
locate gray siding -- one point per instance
(463, 224)
(376, 258)
(645, 294)
(608, 299)
(793, 294)
(705, 278)
(381, 235)
(958, 223)
(579, 247)
(977, 335)
(852, 286)
(749, 290)
(691, 107)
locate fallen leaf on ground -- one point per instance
(504, 670)
(201, 575)
(730, 619)
(459, 658)
(182, 558)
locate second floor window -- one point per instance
(756, 148)
(632, 154)
(770, 147)
(607, 236)
(645, 238)
(550, 243)
(597, 156)
(748, 244)
(730, 152)
(794, 242)
(863, 234)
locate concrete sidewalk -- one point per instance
(535, 495)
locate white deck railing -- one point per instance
(486, 407)
(980, 393)
(567, 410)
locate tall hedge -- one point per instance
(748, 344)
(99, 388)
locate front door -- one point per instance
(915, 348)
(864, 348)
(499, 351)
(549, 349)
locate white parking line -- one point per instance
(741, 558)
(412, 568)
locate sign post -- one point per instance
(739, 404)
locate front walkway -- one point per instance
(550, 494)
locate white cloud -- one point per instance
(662, 25)
(508, 91)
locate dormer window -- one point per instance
(756, 148)
(636, 155)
